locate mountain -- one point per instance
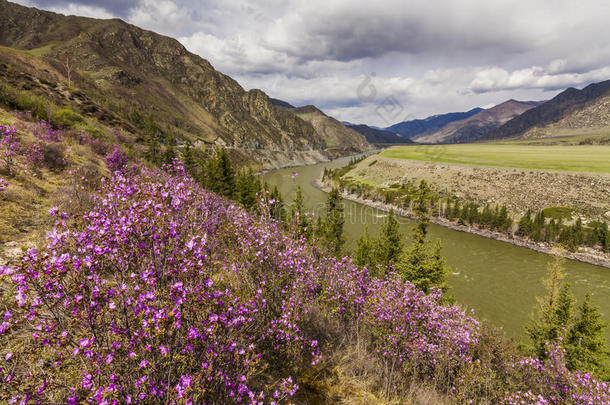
(336, 135)
(478, 125)
(572, 111)
(280, 103)
(127, 77)
(374, 135)
(409, 129)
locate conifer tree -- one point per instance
(364, 248)
(299, 216)
(188, 159)
(525, 224)
(546, 325)
(390, 243)
(226, 173)
(333, 225)
(586, 342)
(421, 263)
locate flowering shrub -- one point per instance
(3, 184)
(555, 384)
(44, 131)
(10, 148)
(166, 293)
(116, 160)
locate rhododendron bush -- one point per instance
(167, 293)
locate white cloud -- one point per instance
(430, 56)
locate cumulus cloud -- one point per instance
(422, 57)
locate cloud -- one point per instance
(428, 56)
(554, 76)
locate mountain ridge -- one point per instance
(478, 125)
(128, 70)
(410, 129)
(566, 103)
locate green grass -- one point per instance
(558, 213)
(575, 158)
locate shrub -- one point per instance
(11, 149)
(66, 118)
(3, 184)
(99, 147)
(116, 160)
(557, 213)
(54, 156)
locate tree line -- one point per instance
(545, 226)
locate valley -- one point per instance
(293, 203)
(497, 279)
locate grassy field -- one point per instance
(575, 158)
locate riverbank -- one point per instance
(589, 255)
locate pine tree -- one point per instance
(188, 159)
(422, 264)
(390, 243)
(299, 216)
(525, 224)
(554, 308)
(333, 225)
(152, 153)
(226, 173)
(586, 341)
(364, 247)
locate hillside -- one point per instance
(571, 112)
(379, 136)
(336, 135)
(132, 78)
(478, 125)
(410, 129)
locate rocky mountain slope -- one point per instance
(571, 112)
(133, 78)
(410, 129)
(478, 125)
(336, 135)
(374, 135)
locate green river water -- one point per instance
(498, 280)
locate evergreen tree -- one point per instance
(502, 221)
(299, 216)
(554, 309)
(586, 342)
(188, 159)
(488, 217)
(421, 263)
(276, 205)
(525, 224)
(153, 154)
(364, 247)
(333, 225)
(170, 154)
(226, 173)
(538, 226)
(247, 186)
(390, 243)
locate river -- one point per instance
(498, 280)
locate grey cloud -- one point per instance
(115, 7)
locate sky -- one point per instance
(385, 61)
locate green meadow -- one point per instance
(574, 158)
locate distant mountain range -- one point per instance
(126, 77)
(478, 125)
(421, 127)
(571, 112)
(378, 136)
